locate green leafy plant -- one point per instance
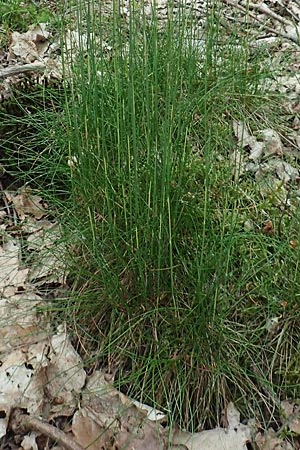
(16, 16)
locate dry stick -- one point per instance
(291, 13)
(258, 22)
(22, 423)
(263, 8)
(15, 70)
(249, 13)
(266, 27)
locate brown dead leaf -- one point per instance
(48, 268)
(126, 425)
(285, 171)
(268, 228)
(271, 441)
(65, 375)
(21, 325)
(88, 433)
(11, 274)
(19, 386)
(292, 415)
(294, 244)
(26, 203)
(272, 142)
(270, 186)
(150, 436)
(126, 431)
(235, 437)
(49, 262)
(29, 46)
(242, 133)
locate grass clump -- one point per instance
(17, 16)
(170, 290)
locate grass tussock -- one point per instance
(169, 289)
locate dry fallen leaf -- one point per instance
(149, 437)
(245, 139)
(292, 415)
(285, 171)
(65, 375)
(47, 266)
(272, 142)
(268, 228)
(10, 272)
(257, 149)
(26, 203)
(19, 386)
(153, 414)
(294, 244)
(29, 46)
(235, 437)
(20, 323)
(236, 163)
(271, 441)
(89, 434)
(107, 415)
(270, 186)
(242, 133)
(29, 442)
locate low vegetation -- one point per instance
(177, 286)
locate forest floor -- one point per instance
(56, 391)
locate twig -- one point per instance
(23, 423)
(14, 70)
(263, 8)
(266, 27)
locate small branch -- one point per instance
(23, 423)
(15, 70)
(263, 8)
(266, 27)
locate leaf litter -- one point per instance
(41, 374)
(263, 157)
